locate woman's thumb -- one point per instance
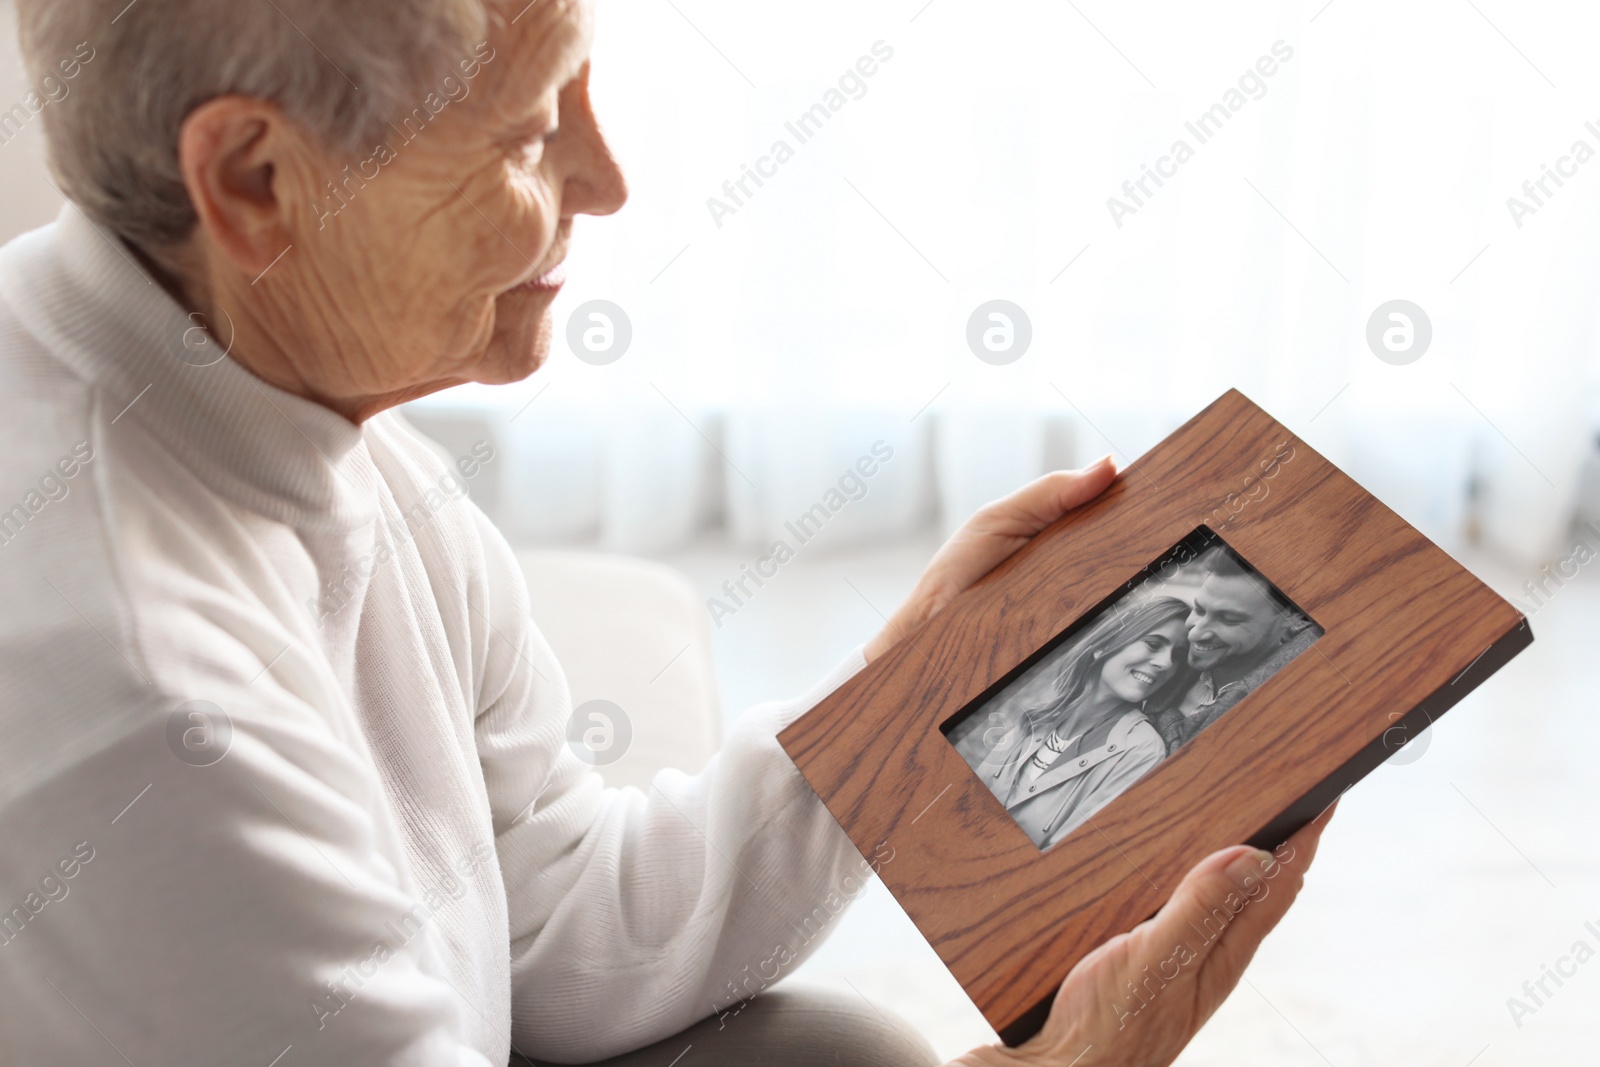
(1047, 498)
(1218, 916)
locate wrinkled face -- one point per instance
(1232, 618)
(440, 260)
(1138, 669)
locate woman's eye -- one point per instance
(532, 146)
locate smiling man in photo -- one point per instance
(1240, 634)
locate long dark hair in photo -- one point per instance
(1111, 633)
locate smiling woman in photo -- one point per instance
(1056, 761)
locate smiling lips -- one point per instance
(548, 282)
(1142, 677)
(554, 276)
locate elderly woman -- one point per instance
(238, 829)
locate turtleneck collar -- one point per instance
(81, 293)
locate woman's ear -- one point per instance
(242, 160)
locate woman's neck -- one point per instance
(1090, 708)
(249, 335)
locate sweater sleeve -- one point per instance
(634, 914)
(180, 907)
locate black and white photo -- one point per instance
(1185, 641)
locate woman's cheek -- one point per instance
(536, 211)
(460, 241)
(466, 333)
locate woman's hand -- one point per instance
(1181, 977)
(994, 532)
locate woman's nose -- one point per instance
(598, 187)
(594, 183)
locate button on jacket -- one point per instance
(1106, 760)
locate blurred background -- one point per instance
(761, 318)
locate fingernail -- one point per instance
(1252, 864)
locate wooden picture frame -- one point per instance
(1406, 633)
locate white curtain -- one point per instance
(773, 345)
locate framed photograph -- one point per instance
(1210, 652)
(1127, 685)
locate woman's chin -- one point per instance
(521, 342)
(1133, 694)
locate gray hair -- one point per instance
(341, 68)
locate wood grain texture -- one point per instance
(1408, 632)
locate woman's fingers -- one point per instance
(1142, 996)
(1280, 884)
(987, 539)
(1044, 500)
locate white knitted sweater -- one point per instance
(396, 859)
